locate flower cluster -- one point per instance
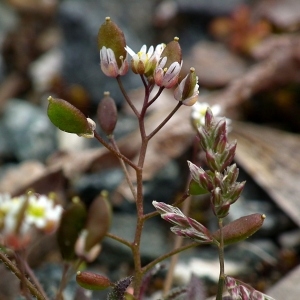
(220, 180)
(19, 215)
(161, 66)
(183, 225)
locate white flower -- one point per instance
(199, 111)
(42, 213)
(109, 64)
(167, 77)
(145, 62)
(92, 127)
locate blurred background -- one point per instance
(247, 58)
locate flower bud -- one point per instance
(209, 118)
(231, 174)
(221, 211)
(92, 281)
(107, 114)
(68, 118)
(227, 156)
(236, 191)
(205, 181)
(212, 161)
(204, 138)
(187, 91)
(241, 228)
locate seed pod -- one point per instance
(107, 114)
(112, 37)
(173, 52)
(92, 281)
(71, 223)
(240, 229)
(98, 221)
(67, 117)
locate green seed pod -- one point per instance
(240, 229)
(98, 221)
(107, 114)
(190, 83)
(173, 52)
(111, 36)
(71, 223)
(92, 281)
(67, 117)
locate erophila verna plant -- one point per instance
(81, 230)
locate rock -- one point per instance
(215, 65)
(27, 131)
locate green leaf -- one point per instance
(67, 117)
(196, 189)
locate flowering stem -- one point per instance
(156, 96)
(221, 260)
(163, 123)
(126, 97)
(110, 148)
(119, 239)
(123, 165)
(33, 290)
(167, 255)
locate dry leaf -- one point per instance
(272, 158)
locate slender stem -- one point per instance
(110, 148)
(19, 257)
(63, 281)
(167, 255)
(119, 239)
(156, 96)
(163, 123)
(33, 290)
(128, 180)
(221, 260)
(128, 100)
(140, 199)
(35, 280)
(144, 81)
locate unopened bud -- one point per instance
(212, 161)
(209, 118)
(221, 211)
